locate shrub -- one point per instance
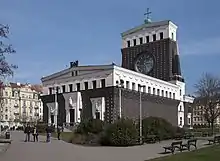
(93, 126)
(158, 126)
(121, 133)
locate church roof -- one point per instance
(147, 25)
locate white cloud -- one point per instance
(207, 46)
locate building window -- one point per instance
(94, 84)
(162, 93)
(166, 94)
(127, 84)
(161, 35)
(149, 90)
(144, 89)
(154, 92)
(141, 40)
(173, 95)
(158, 92)
(172, 36)
(103, 83)
(50, 90)
(77, 86)
(147, 39)
(170, 94)
(72, 73)
(181, 121)
(133, 86)
(70, 87)
(134, 42)
(86, 85)
(189, 121)
(6, 117)
(180, 108)
(139, 87)
(154, 37)
(63, 89)
(128, 43)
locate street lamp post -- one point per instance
(140, 115)
(120, 85)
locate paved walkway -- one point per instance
(58, 150)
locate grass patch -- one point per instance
(65, 136)
(205, 154)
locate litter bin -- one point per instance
(7, 135)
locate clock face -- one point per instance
(144, 63)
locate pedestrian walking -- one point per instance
(58, 132)
(48, 131)
(35, 134)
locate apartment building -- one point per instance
(20, 103)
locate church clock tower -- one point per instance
(152, 49)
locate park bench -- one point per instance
(191, 142)
(214, 140)
(173, 146)
(4, 141)
(152, 139)
(178, 136)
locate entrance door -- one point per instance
(72, 115)
(97, 115)
(52, 119)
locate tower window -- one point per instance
(103, 83)
(133, 86)
(127, 84)
(50, 90)
(63, 89)
(128, 43)
(172, 35)
(154, 37)
(154, 91)
(86, 85)
(134, 42)
(94, 84)
(161, 35)
(141, 40)
(147, 39)
(78, 86)
(70, 87)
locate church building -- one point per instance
(148, 82)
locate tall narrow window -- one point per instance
(141, 40)
(78, 86)
(173, 95)
(149, 90)
(86, 85)
(127, 84)
(170, 95)
(133, 86)
(72, 74)
(181, 121)
(147, 39)
(103, 83)
(128, 43)
(161, 35)
(139, 87)
(154, 37)
(50, 90)
(180, 92)
(172, 35)
(166, 94)
(70, 87)
(134, 42)
(162, 93)
(76, 73)
(154, 91)
(94, 84)
(63, 89)
(158, 92)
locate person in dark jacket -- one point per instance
(27, 131)
(48, 131)
(35, 134)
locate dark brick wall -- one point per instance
(163, 51)
(151, 105)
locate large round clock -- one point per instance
(144, 63)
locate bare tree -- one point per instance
(208, 96)
(6, 69)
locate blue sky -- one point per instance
(48, 34)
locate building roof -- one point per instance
(147, 25)
(36, 87)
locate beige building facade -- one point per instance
(20, 103)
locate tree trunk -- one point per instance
(212, 127)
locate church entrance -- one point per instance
(72, 115)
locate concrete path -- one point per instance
(58, 150)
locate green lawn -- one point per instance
(206, 154)
(65, 136)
